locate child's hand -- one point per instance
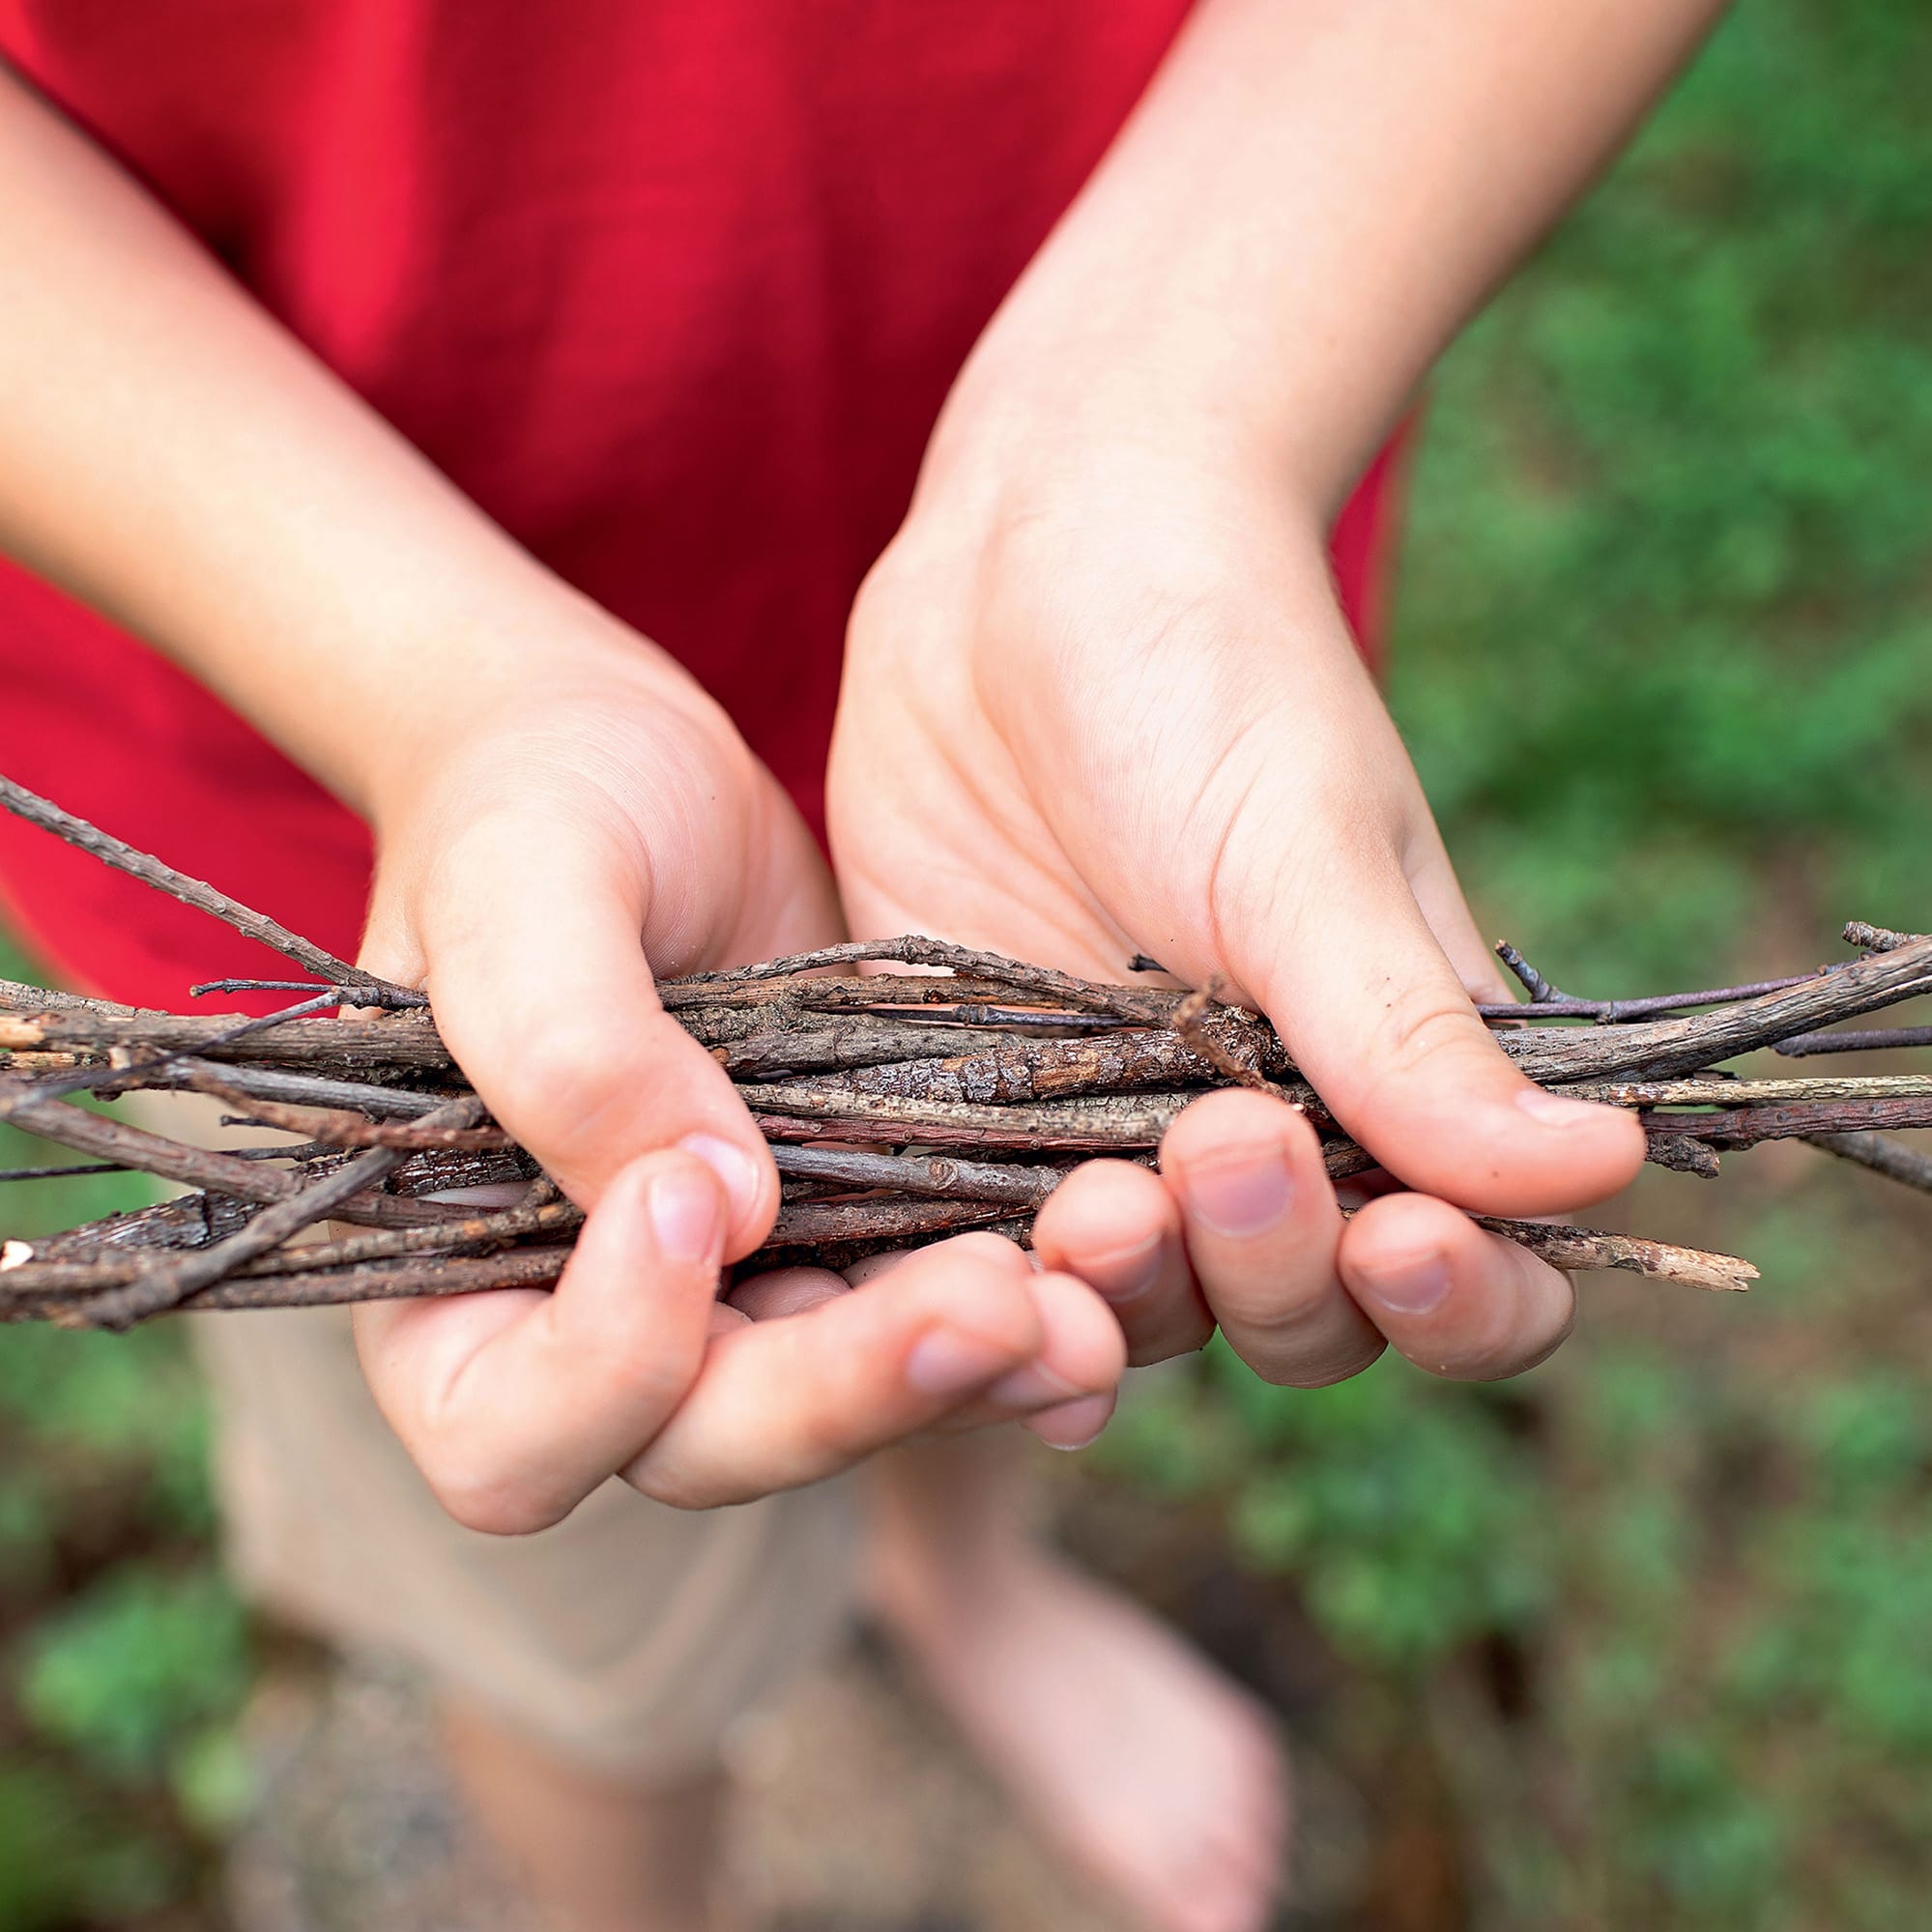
(1102, 702)
(532, 857)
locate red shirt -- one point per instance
(672, 290)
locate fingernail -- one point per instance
(1411, 1286)
(1029, 1388)
(1557, 1109)
(948, 1363)
(684, 1210)
(1240, 1196)
(1127, 1274)
(735, 1169)
(1073, 1424)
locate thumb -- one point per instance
(1379, 1021)
(530, 936)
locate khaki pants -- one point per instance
(628, 1637)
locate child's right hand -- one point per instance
(556, 803)
(538, 857)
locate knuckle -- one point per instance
(642, 1377)
(1423, 1035)
(827, 1439)
(554, 1067)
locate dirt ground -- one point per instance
(856, 1811)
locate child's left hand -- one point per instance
(1105, 703)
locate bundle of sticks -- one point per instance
(900, 1106)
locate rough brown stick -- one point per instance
(375, 1281)
(1853, 1040)
(1659, 1048)
(1580, 1250)
(337, 1128)
(1746, 1126)
(71, 1126)
(171, 1279)
(915, 949)
(1719, 1090)
(1013, 1184)
(1022, 1070)
(857, 1040)
(828, 991)
(882, 1223)
(392, 1040)
(1117, 1121)
(15, 996)
(44, 1280)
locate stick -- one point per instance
(1882, 1154)
(1580, 1250)
(1015, 1185)
(129, 1147)
(195, 892)
(336, 1128)
(1872, 1040)
(169, 1281)
(915, 949)
(377, 1280)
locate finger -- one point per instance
(1263, 1229)
(784, 1402)
(516, 1405)
(1066, 1395)
(1451, 1296)
(533, 931)
(785, 1291)
(994, 1251)
(1117, 1226)
(1068, 1388)
(1379, 1020)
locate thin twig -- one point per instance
(1882, 1154)
(195, 892)
(64, 1173)
(1580, 1250)
(1870, 1040)
(173, 1278)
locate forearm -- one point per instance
(1311, 200)
(174, 457)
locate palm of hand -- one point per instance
(1092, 735)
(530, 877)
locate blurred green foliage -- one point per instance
(1665, 656)
(124, 1657)
(1664, 637)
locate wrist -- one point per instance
(505, 686)
(1067, 379)
(1058, 425)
